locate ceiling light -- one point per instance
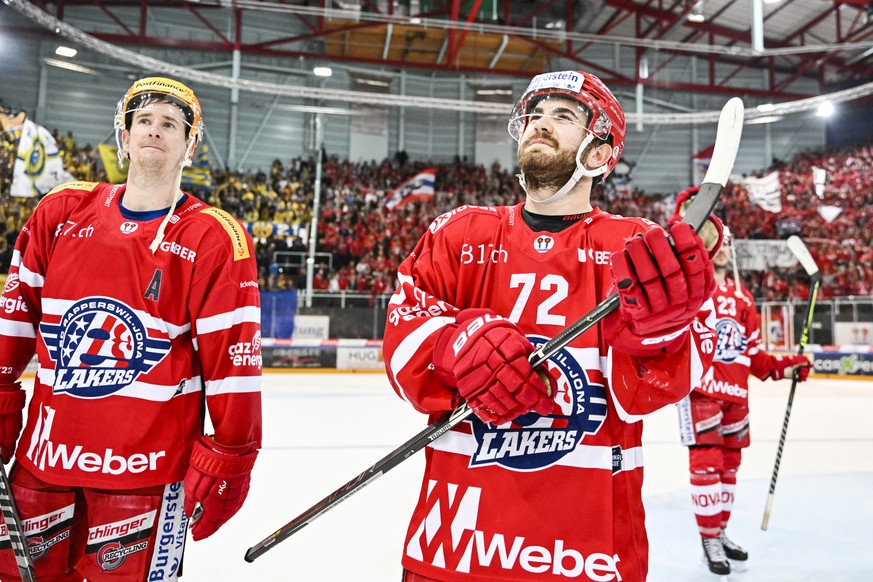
(322, 71)
(65, 51)
(826, 109)
(696, 14)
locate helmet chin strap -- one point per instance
(159, 236)
(581, 171)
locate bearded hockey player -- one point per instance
(714, 418)
(142, 306)
(544, 483)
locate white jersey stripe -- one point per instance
(16, 328)
(29, 277)
(141, 390)
(583, 456)
(222, 321)
(233, 385)
(411, 344)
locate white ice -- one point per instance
(323, 429)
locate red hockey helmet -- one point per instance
(605, 116)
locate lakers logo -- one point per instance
(731, 340)
(532, 441)
(100, 346)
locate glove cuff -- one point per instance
(12, 398)
(442, 355)
(220, 460)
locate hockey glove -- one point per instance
(12, 399)
(661, 287)
(218, 479)
(789, 366)
(712, 232)
(485, 357)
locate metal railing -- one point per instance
(836, 321)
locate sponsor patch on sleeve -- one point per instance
(236, 234)
(88, 186)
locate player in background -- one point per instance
(142, 305)
(714, 418)
(544, 482)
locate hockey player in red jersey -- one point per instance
(141, 303)
(544, 483)
(714, 418)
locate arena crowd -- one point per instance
(366, 241)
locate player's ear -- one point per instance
(599, 154)
(125, 139)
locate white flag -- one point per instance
(819, 178)
(765, 191)
(829, 213)
(38, 165)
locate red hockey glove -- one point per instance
(661, 288)
(712, 232)
(218, 479)
(12, 399)
(485, 356)
(787, 366)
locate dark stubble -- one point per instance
(545, 172)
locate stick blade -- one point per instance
(727, 142)
(799, 250)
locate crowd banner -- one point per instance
(38, 165)
(419, 187)
(765, 191)
(115, 173)
(761, 255)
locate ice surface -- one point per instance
(322, 429)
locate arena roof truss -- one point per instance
(830, 41)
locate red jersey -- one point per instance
(738, 351)
(130, 343)
(544, 497)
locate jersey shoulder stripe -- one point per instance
(86, 186)
(234, 231)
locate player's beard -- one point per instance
(544, 172)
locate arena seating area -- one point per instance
(368, 242)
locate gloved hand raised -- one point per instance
(218, 479)
(789, 366)
(661, 287)
(12, 399)
(485, 357)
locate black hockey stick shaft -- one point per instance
(15, 529)
(727, 142)
(799, 249)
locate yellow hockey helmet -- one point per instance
(163, 89)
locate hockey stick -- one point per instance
(730, 126)
(808, 263)
(15, 530)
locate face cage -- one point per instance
(518, 122)
(195, 132)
